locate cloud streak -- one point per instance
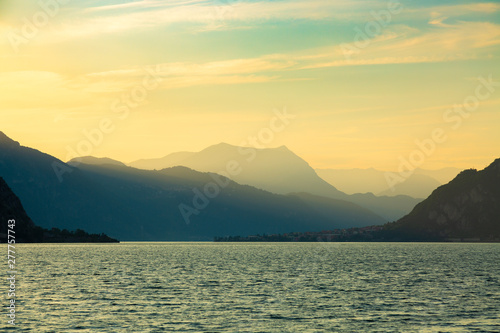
(401, 45)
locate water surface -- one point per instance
(258, 287)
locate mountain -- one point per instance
(417, 186)
(168, 161)
(12, 209)
(444, 175)
(94, 161)
(24, 230)
(171, 204)
(277, 170)
(236, 209)
(324, 206)
(280, 171)
(352, 181)
(467, 207)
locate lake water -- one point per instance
(256, 287)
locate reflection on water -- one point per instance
(258, 287)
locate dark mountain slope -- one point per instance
(132, 204)
(14, 218)
(467, 207)
(237, 209)
(51, 202)
(12, 209)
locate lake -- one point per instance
(256, 287)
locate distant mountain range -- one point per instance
(91, 160)
(419, 185)
(102, 195)
(466, 208)
(179, 203)
(277, 170)
(168, 161)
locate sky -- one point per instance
(342, 83)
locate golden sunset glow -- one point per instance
(368, 82)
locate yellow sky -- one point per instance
(369, 82)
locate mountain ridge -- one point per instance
(419, 184)
(466, 207)
(24, 230)
(280, 170)
(464, 210)
(94, 161)
(133, 204)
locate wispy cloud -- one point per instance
(439, 41)
(86, 19)
(461, 9)
(438, 19)
(45, 89)
(465, 40)
(212, 15)
(186, 74)
(206, 15)
(402, 44)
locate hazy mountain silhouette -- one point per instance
(132, 204)
(444, 175)
(94, 161)
(168, 161)
(419, 185)
(278, 170)
(352, 181)
(467, 207)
